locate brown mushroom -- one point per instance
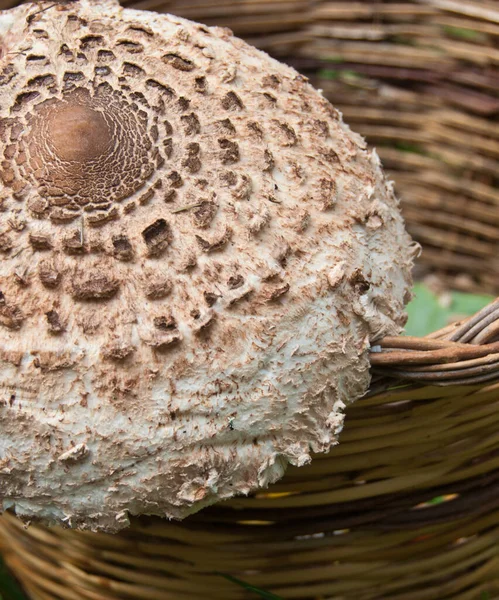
(191, 273)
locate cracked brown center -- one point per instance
(78, 133)
(82, 154)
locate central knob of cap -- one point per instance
(78, 133)
(84, 153)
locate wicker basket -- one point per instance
(407, 506)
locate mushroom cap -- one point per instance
(195, 255)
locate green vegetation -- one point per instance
(469, 35)
(409, 147)
(339, 74)
(251, 588)
(429, 312)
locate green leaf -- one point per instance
(339, 74)
(251, 588)
(334, 58)
(437, 500)
(328, 74)
(427, 312)
(469, 304)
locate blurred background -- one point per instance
(420, 80)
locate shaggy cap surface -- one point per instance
(195, 255)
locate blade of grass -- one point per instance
(464, 33)
(251, 588)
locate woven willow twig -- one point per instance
(404, 508)
(463, 354)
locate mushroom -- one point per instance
(195, 255)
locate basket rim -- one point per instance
(463, 353)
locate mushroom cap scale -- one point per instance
(195, 255)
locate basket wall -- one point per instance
(405, 508)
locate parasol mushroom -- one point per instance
(195, 256)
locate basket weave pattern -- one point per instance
(406, 507)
